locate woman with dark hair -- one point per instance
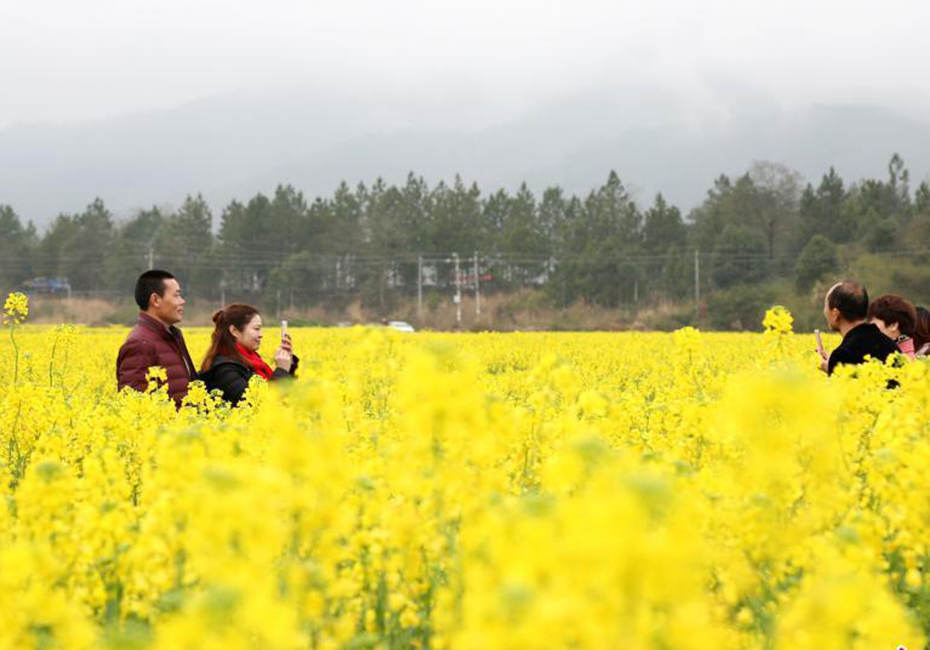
(232, 359)
(897, 319)
(922, 332)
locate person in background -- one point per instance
(232, 359)
(845, 308)
(897, 319)
(922, 332)
(156, 340)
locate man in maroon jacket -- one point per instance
(155, 341)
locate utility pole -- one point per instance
(420, 287)
(150, 258)
(697, 280)
(477, 287)
(458, 292)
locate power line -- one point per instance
(214, 260)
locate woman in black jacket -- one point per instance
(232, 359)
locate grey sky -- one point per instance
(65, 61)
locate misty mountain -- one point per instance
(233, 146)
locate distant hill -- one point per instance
(233, 146)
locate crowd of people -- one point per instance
(872, 330)
(889, 324)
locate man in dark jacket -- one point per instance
(155, 341)
(846, 307)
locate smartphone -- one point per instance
(820, 349)
(283, 330)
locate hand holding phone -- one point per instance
(285, 337)
(823, 353)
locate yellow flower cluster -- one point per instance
(778, 320)
(535, 490)
(15, 308)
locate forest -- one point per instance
(763, 237)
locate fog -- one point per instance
(144, 102)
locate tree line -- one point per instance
(602, 247)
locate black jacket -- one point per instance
(232, 375)
(862, 340)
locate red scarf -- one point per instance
(258, 364)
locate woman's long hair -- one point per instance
(922, 331)
(223, 341)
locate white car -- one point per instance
(401, 326)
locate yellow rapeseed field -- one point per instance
(532, 490)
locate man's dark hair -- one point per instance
(148, 283)
(851, 299)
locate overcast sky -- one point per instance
(67, 61)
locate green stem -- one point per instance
(51, 361)
(15, 352)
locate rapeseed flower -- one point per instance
(530, 490)
(15, 308)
